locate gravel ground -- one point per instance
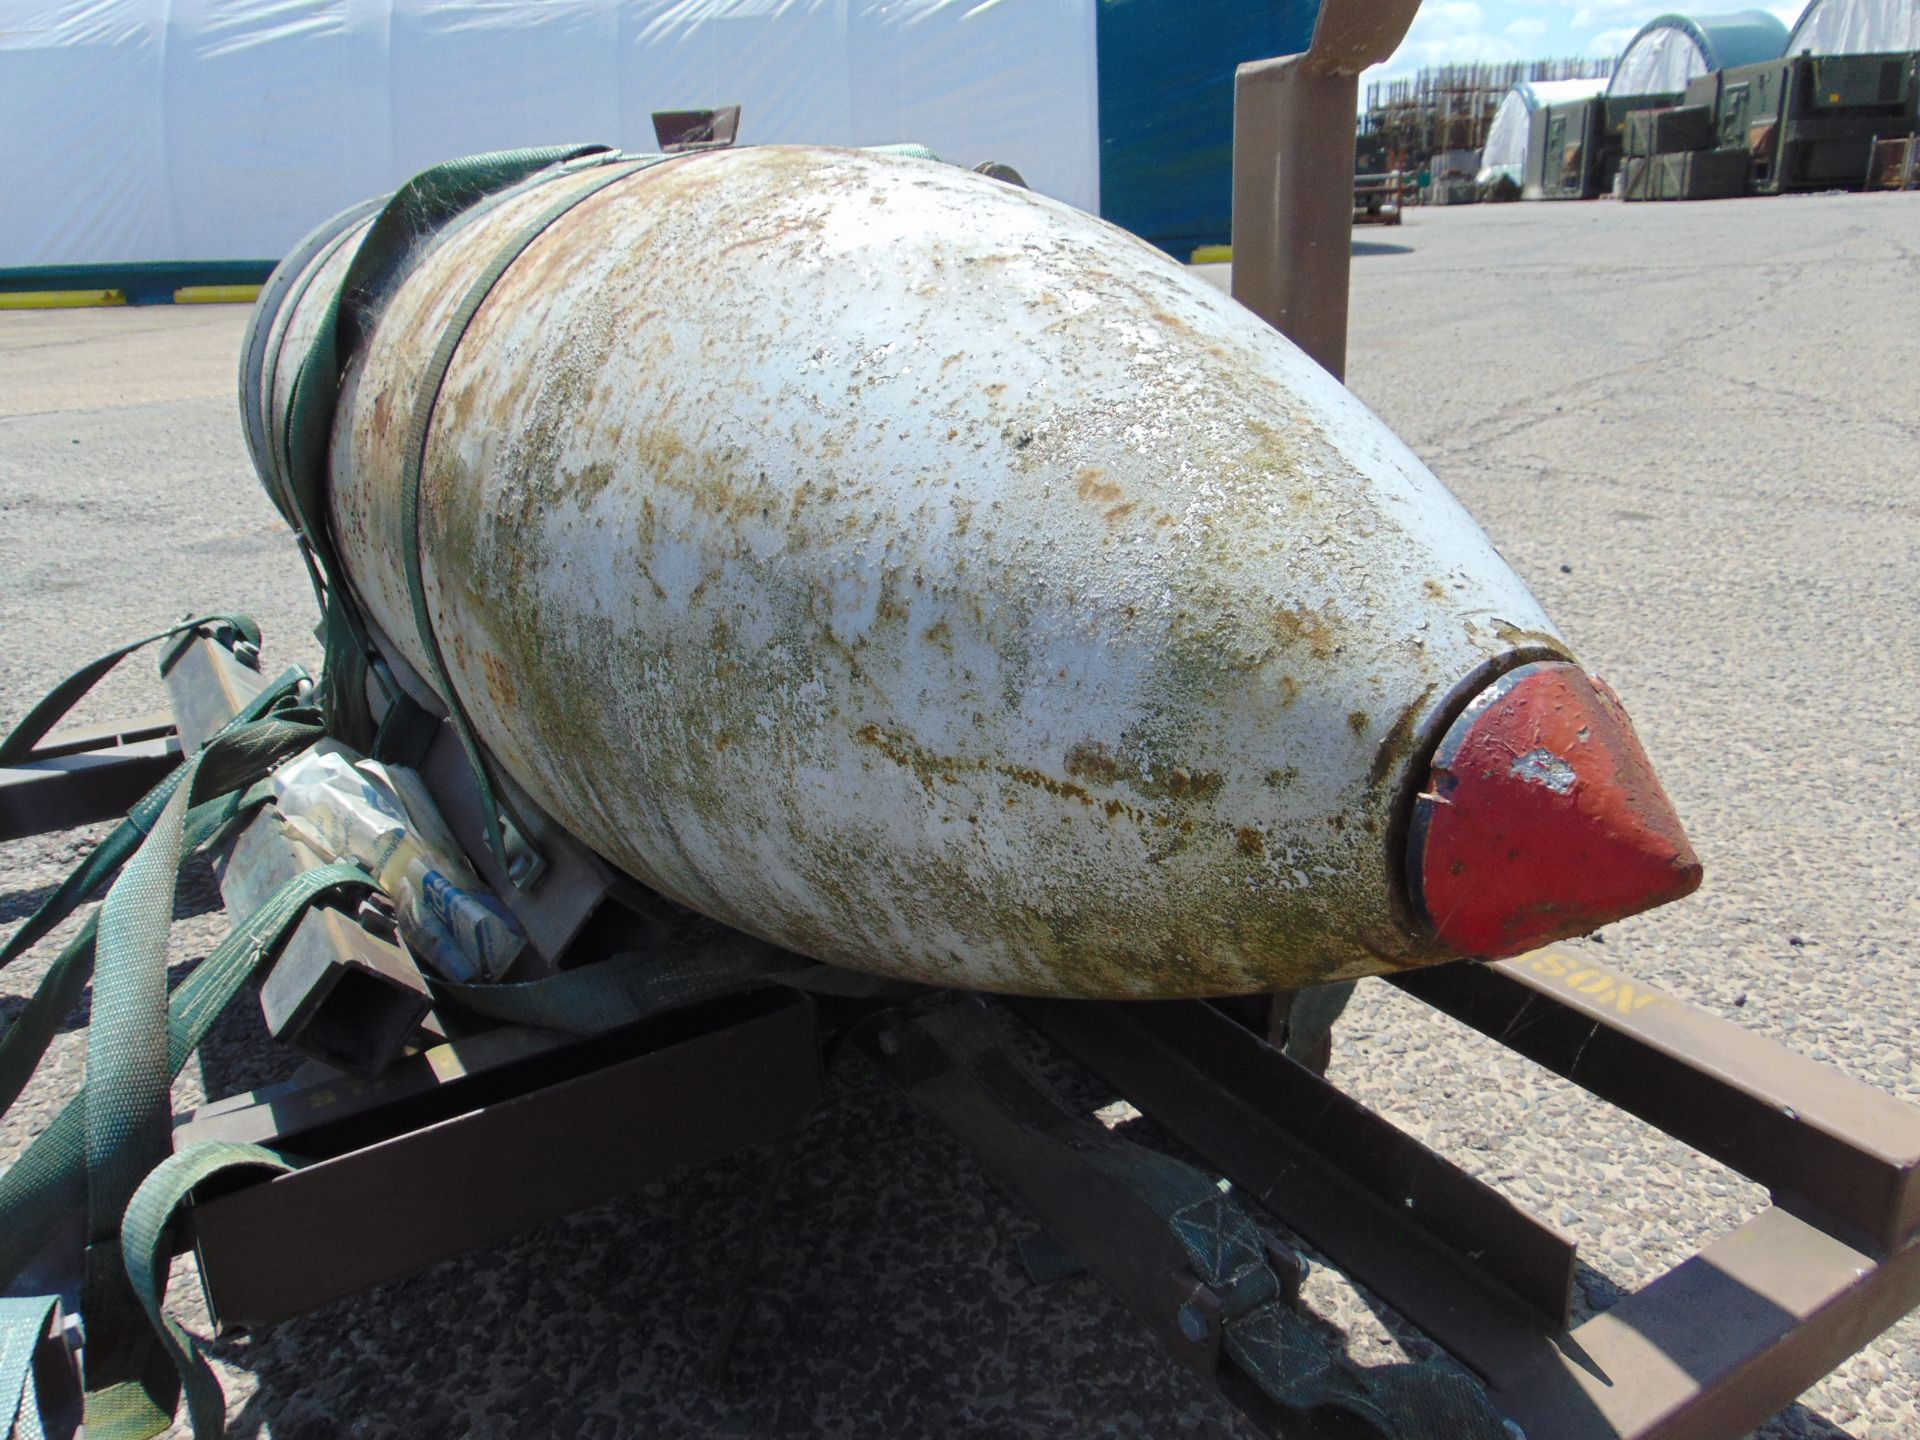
(1691, 427)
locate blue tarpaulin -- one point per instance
(1166, 107)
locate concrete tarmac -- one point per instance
(1691, 428)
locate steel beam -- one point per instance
(1718, 1343)
(1293, 138)
(1461, 1262)
(614, 1112)
(1705, 1351)
(86, 774)
(1817, 1137)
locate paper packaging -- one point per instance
(380, 817)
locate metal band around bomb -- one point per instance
(530, 865)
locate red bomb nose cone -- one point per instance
(1542, 818)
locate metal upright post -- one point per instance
(1293, 133)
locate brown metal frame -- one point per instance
(1711, 1348)
(472, 1142)
(85, 774)
(1293, 128)
(481, 1136)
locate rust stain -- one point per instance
(1091, 485)
(1251, 842)
(1399, 740)
(1091, 760)
(929, 766)
(506, 695)
(1297, 626)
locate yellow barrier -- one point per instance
(216, 295)
(1213, 255)
(58, 299)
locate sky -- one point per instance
(1450, 30)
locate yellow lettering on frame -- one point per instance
(1549, 965)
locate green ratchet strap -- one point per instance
(105, 1142)
(145, 1249)
(131, 1388)
(298, 479)
(1310, 1381)
(23, 1320)
(107, 856)
(27, 1039)
(523, 870)
(33, 727)
(280, 299)
(634, 986)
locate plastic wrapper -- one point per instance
(380, 817)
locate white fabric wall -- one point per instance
(171, 130)
(1508, 136)
(1857, 27)
(1659, 61)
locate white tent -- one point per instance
(1672, 49)
(1505, 153)
(1856, 27)
(198, 130)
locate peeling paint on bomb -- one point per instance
(1050, 607)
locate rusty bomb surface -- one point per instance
(923, 575)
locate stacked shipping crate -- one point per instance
(1671, 154)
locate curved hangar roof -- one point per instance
(1670, 51)
(1508, 136)
(1856, 27)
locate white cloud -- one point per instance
(1527, 29)
(1612, 42)
(1586, 12)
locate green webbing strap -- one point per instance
(424, 204)
(906, 150)
(414, 462)
(146, 1252)
(23, 1320)
(280, 297)
(50, 1179)
(633, 986)
(107, 856)
(33, 1029)
(33, 728)
(298, 482)
(1308, 1378)
(128, 1115)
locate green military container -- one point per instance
(1558, 150)
(1669, 130)
(1576, 146)
(1811, 120)
(1687, 175)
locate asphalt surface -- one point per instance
(1690, 427)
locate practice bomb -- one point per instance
(935, 580)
